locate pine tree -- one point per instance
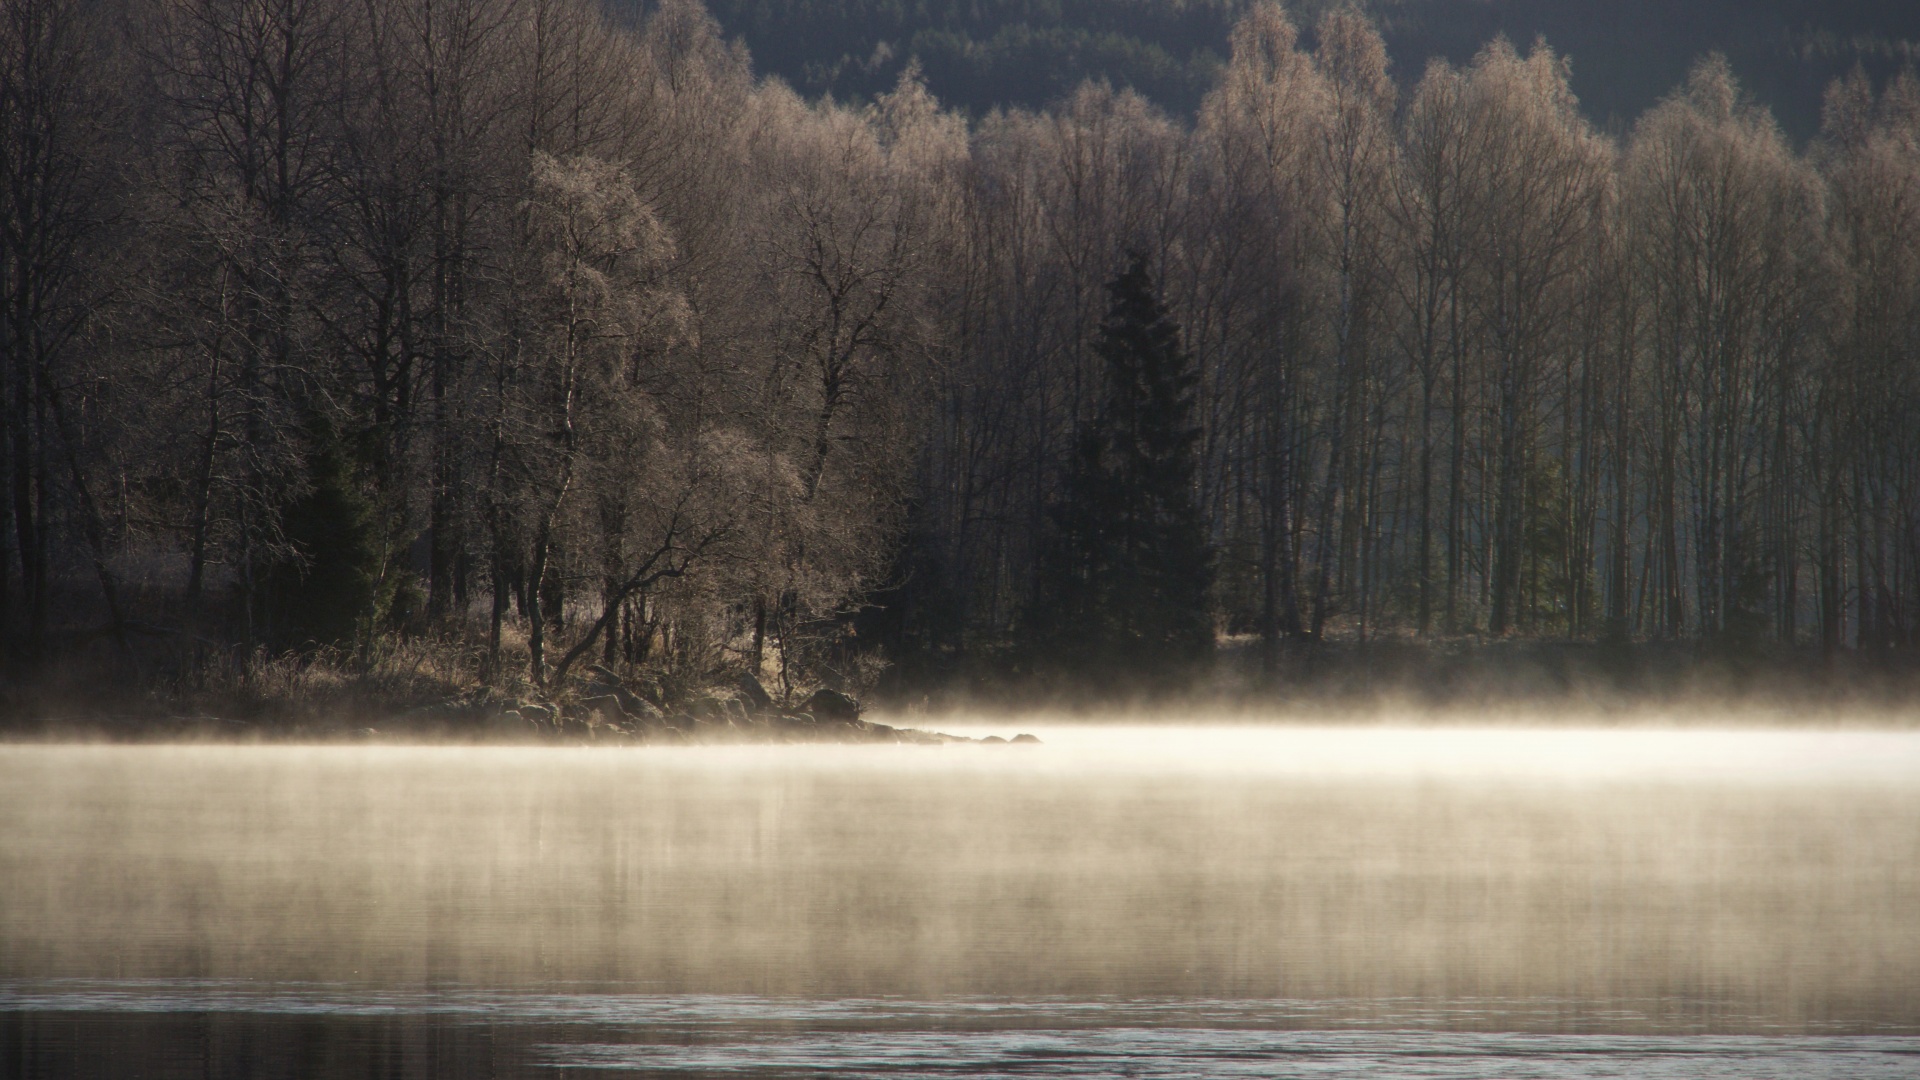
(1123, 584)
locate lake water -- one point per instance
(1146, 901)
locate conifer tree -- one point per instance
(1123, 585)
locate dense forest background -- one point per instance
(479, 341)
(983, 54)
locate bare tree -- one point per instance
(54, 201)
(595, 294)
(1724, 213)
(1538, 200)
(1867, 397)
(1259, 120)
(1431, 208)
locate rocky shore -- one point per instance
(598, 708)
(603, 708)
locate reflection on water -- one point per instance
(1217, 898)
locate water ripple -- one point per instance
(1150, 1053)
(716, 1035)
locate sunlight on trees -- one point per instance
(554, 340)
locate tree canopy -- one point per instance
(495, 338)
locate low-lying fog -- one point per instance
(1751, 879)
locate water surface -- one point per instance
(205, 1029)
(1148, 901)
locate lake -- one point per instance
(1123, 900)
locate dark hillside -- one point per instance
(1627, 54)
(978, 54)
(981, 53)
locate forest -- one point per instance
(983, 54)
(464, 344)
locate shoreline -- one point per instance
(1455, 683)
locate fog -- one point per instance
(1758, 880)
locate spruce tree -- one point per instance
(318, 590)
(1123, 584)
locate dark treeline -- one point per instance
(536, 338)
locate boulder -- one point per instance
(707, 707)
(1029, 740)
(607, 707)
(508, 724)
(609, 685)
(754, 696)
(832, 706)
(576, 719)
(644, 712)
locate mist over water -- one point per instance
(1640, 883)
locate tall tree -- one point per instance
(1257, 125)
(1354, 160)
(1430, 209)
(53, 199)
(1723, 215)
(1124, 587)
(1868, 392)
(1538, 202)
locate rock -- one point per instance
(736, 711)
(576, 719)
(644, 712)
(707, 707)
(792, 728)
(509, 723)
(1029, 740)
(540, 716)
(608, 685)
(607, 707)
(833, 706)
(753, 695)
(995, 739)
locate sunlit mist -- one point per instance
(1757, 878)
